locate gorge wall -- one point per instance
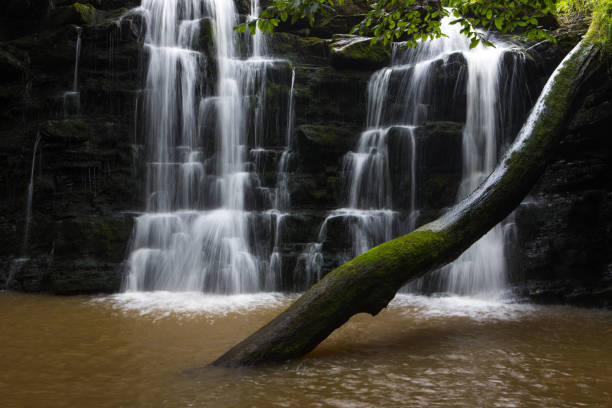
(88, 173)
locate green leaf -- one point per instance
(487, 43)
(474, 43)
(499, 22)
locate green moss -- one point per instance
(77, 13)
(327, 136)
(86, 11)
(573, 7)
(409, 253)
(600, 32)
(276, 92)
(207, 36)
(416, 246)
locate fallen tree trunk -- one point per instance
(370, 281)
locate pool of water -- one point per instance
(148, 350)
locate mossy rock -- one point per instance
(77, 13)
(327, 137)
(206, 39)
(309, 50)
(601, 28)
(349, 51)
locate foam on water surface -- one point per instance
(161, 304)
(474, 308)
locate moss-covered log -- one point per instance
(369, 282)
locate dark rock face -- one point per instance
(84, 179)
(564, 252)
(89, 178)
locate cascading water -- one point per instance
(401, 98)
(204, 193)
(30, 195)
(482, 268)
(72, 98)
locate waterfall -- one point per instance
(30, 195)
(401, 98)
(482, 268)
(206, 117)
(72, 98)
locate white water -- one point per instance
(482, 269)
(370, 214)
(72, 98)
(14, 269)
(198, 232)
(162, 304)
(30, 195)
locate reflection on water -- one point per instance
(141, 351)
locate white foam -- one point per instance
(188, 304)
(461, 306)
(160, 304)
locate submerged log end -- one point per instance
(364, 285)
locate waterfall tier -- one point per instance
(402, 99)
(212, 220)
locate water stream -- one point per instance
(72, 98)
(30, 195)
(208, 125)
(401, 99)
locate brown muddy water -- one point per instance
(141, 350)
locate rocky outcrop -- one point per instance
(89, 180)
(84, 180)
(564, 252)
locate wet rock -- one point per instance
(332, 141)
(77, 13)
(443, 90)
(565, 234)
(324, 94)
(314, 190)
(309, 50)
(438, 166)
(12, 69)
(206, 39)
(348, 51)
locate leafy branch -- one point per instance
(410, 21)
